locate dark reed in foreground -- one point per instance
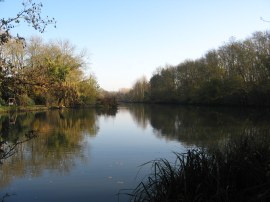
(238, 170)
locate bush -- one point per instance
(2, 102)
(24, 100)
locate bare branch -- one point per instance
(264, 20)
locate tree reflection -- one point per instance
(59, 142)
(107, 111)
(140, 114)
(200, 126)
(8, 149)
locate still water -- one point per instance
(91, 155)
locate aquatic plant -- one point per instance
(235, 170)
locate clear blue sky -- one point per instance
(127, 39)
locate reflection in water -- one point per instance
(8, 149)
(61, 149)
(200, 126)
(107, 111)
(12, 117)
(141, 114)
(59, 142)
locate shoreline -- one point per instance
(5, 109)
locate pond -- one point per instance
(93, 155)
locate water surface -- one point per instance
(89, 155)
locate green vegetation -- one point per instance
(33, 72)
(23, 108)
(37, 73)
(107, 102)
(140, 91)
(237, 170)
(236, 73)
(48, 74)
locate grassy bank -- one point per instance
(236, 170)
(4, 109)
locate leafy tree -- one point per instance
(57, 71)
(237, 73)
(12, 47)
(88, 90)
(140, 90)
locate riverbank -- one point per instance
(5, 109)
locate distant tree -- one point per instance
(140, 90)
(265, 20)
(237, 73)
(88, 90)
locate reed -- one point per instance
(236, 170)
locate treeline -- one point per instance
(35, 72)
(237, 73)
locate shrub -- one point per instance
(24, 100)
(2, 102)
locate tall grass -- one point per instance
(236, 170)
